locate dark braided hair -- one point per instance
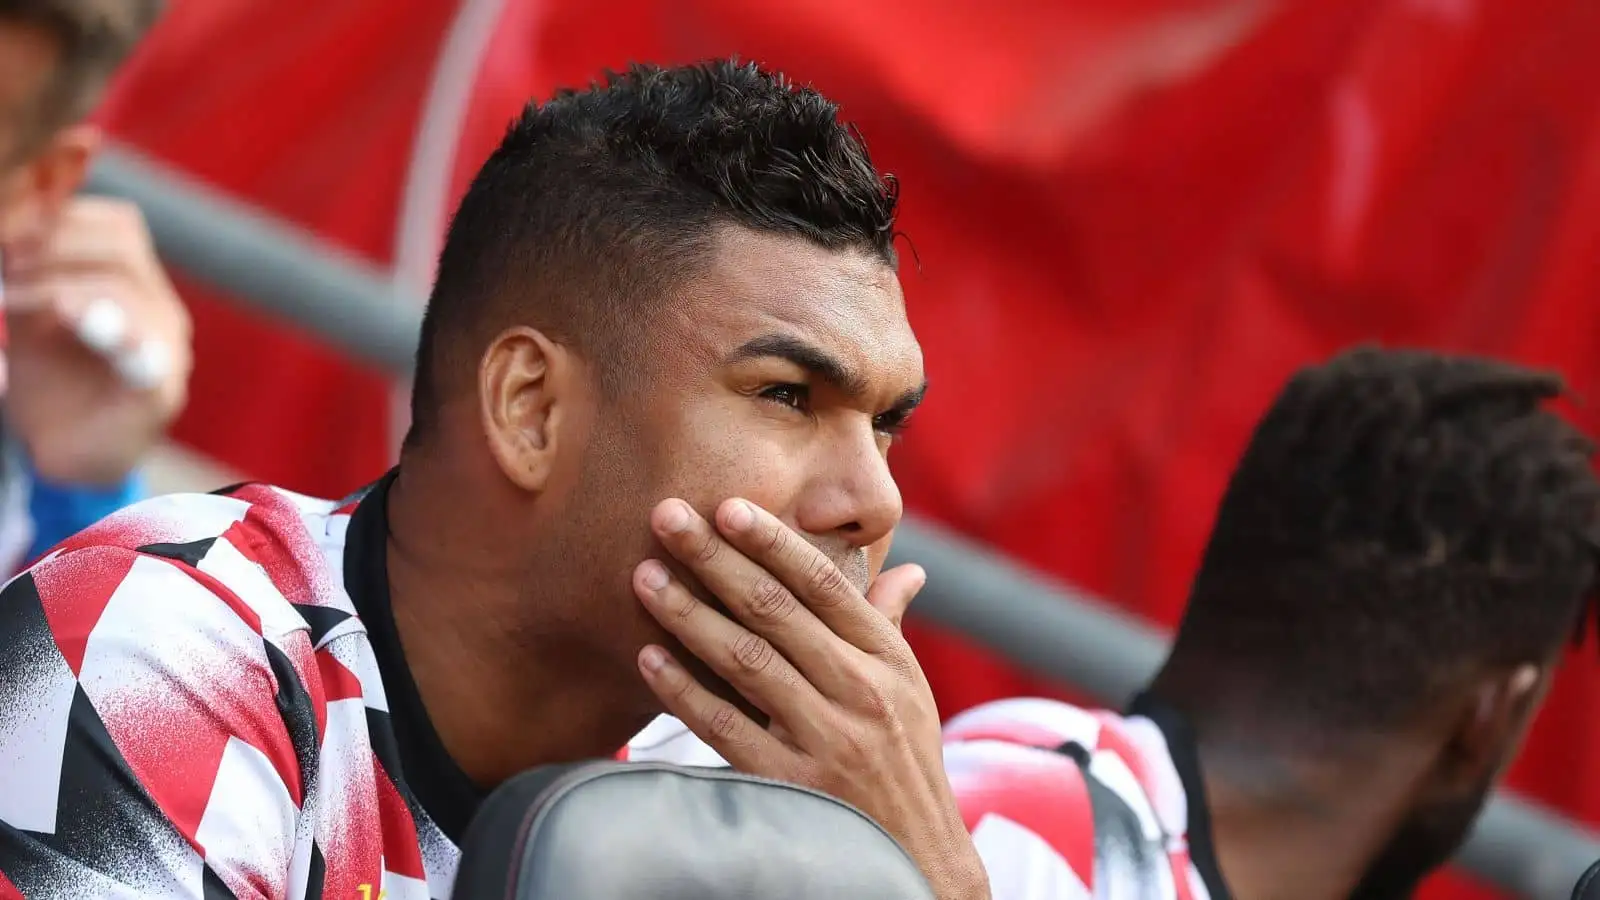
(1401, 520)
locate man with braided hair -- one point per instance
(1405, 549)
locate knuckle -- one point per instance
(807, 773)
(126, 221)
(682, 605)
(870, 737)
(875, 697)
(724, 723)
(861, 743)
(102, 204)
(683, 689)
(752, 653)
(126, 214)
(777, 540)
(878, 703)
(770, 601)
(88, 207)
(709, 549)
(903, 664)
(114, 210)
(824, 579)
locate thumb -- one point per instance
(892, 592)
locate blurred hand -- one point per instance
(851, 713)
(98, 354)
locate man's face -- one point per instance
(781, 373)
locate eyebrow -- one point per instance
(820, 364)
(810, 357)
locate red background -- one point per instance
(1134, 218)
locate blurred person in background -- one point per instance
(670, 290)
(1406, 548)
(97, 346)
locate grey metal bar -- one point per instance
(1026, 616)
(1107, 654)
(1528, 849)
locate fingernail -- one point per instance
(921, 578)
(676, 518)
(653, 660)
(653, 575)
(739, 516)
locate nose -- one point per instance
(851, 496)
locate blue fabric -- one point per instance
(61, 510)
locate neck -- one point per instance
(463, 616)
(1291, 824)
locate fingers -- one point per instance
(893, 591)
(106, 243)
(94, 233)
(745, 745)
(95, 274)
(752, 594)
(743, 658)
(808, 572)
(87, 309)
(760, 598)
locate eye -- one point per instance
(794, 396)
(892, 423)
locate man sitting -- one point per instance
(1407, 546)
(670, 290)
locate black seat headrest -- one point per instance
(651, 831)
(1589, 885)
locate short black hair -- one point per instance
(599, 201)
(94, 38)
(1400, 521)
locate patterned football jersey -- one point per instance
(190, 707)
(1063, 803)
(1069, 804)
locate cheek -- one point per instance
(715, 459)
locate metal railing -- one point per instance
(1034, 620)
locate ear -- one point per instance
(49, 179)
(525, 390)
(1496, 719)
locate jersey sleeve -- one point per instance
(1068, 804)
(144, 746)
(1031, 818)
